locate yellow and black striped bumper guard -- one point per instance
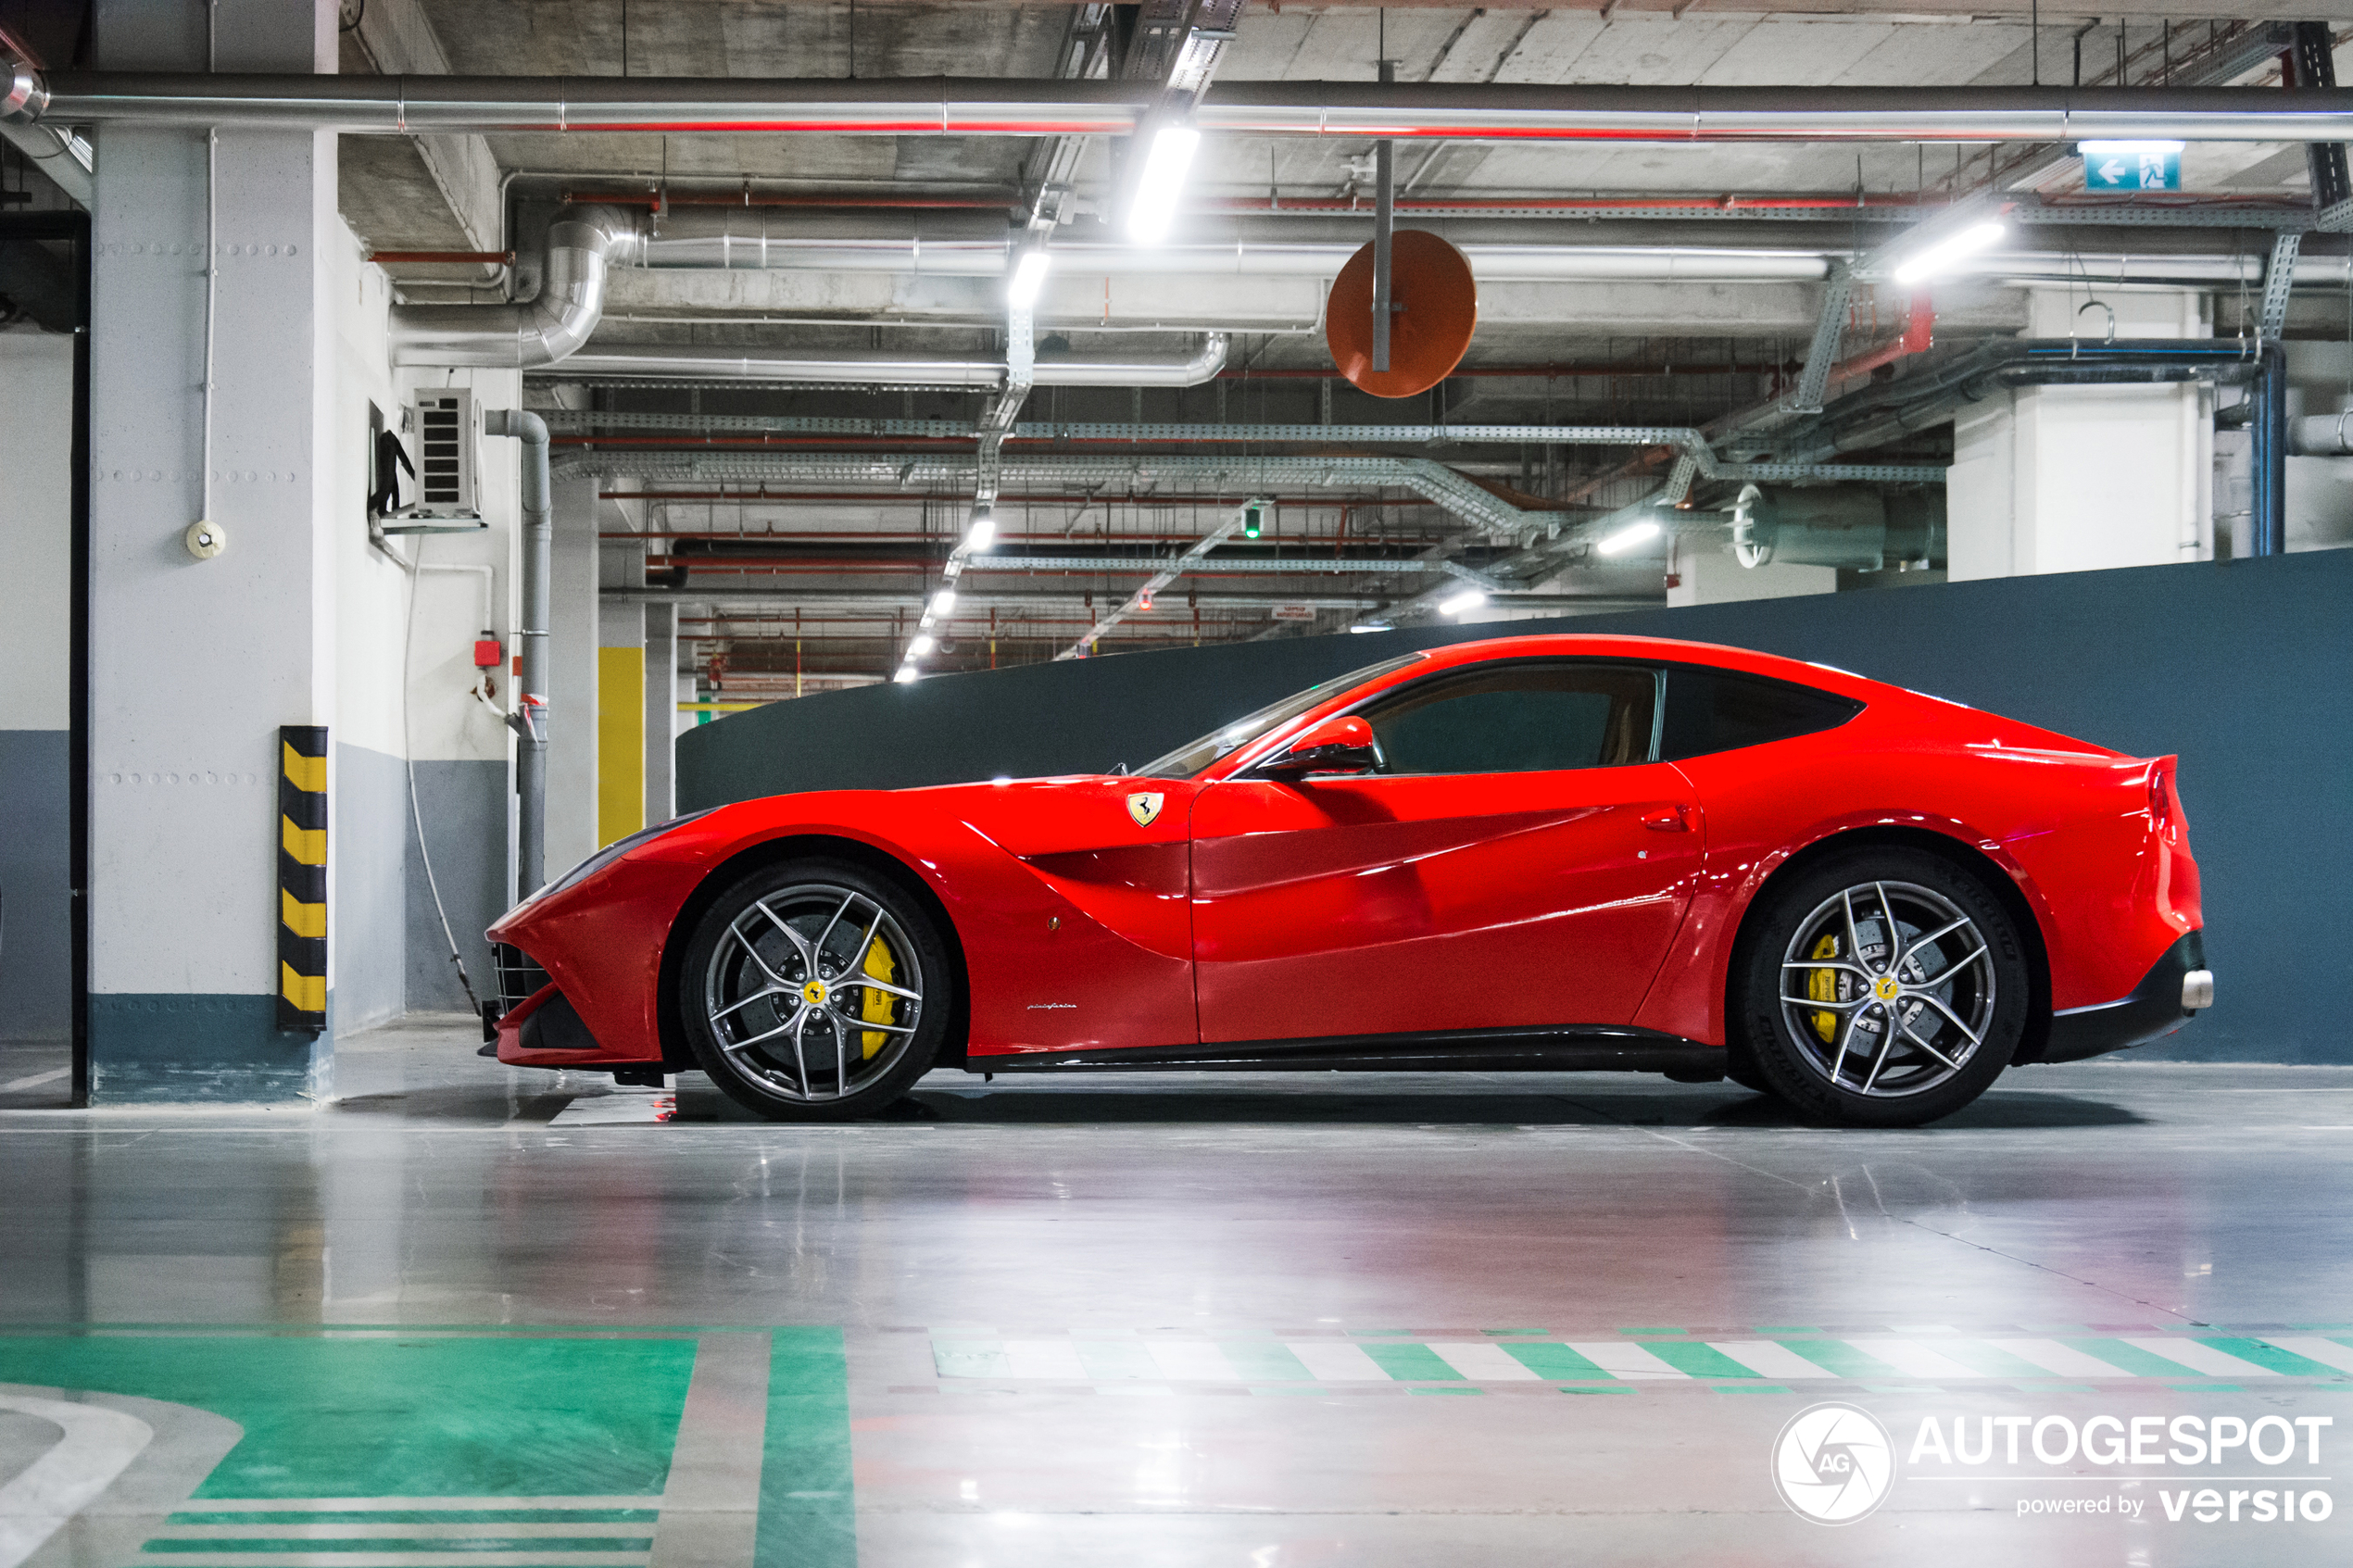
(302, 877)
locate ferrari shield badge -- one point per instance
(1145, 808)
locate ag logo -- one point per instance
(1145, 808)
(1834, 1464)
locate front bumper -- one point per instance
(2176, 987)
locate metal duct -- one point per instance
(694, 362)
(954, 107)
(2321, 436)
(1860, 530)
(582, 248)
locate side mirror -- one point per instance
(1336, 746)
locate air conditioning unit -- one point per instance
(446, 429)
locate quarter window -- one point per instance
(1712, 711)
(1534, 717)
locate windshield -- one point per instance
(1192, 756)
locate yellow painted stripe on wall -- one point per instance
(308, 845)
(303, 920)
(306, 773)
(620, 743)
(307, 992)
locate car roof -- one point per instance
(1657, 649)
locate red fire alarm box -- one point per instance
(489, 655)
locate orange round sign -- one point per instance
(1434, 309)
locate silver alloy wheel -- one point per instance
(813, 992)
(1894, 989)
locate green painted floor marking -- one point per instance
(2130, 1359)
(1112, 1361)
(1838, 1357)
(808, 1506)
(1978, 1356)
(1699, 1360)
(980, 1357)
(2287, 1362)
(1553, 1361)
(1264, 1361)
(374, 1417)
(1412, 1363)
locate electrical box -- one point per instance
(446, 431)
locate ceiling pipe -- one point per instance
(953, 107)
(582, 247)
(695, 362)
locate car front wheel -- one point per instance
(814, 991)
(1880, 988)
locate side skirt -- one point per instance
(1592, 1049)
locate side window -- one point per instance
(1518, 718)
(1710, 711)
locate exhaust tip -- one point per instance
(2197, 990)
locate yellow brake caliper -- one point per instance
(1822, 986)
(880, 1007)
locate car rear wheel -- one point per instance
(814, 991)
(1880, 988)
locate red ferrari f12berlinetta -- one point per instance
(1529, 853)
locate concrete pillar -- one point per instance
(621, 720)
(196, 663)
(2319, 490)
(36, 777)
(2076, 478)
(661, 711)
(573, 661)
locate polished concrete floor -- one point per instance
(468, 1315)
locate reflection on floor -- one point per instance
(466, 1315)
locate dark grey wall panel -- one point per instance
(465, 806)
(36, 886)
(2239, 666)
(367, 844)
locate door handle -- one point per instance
(1669, 821)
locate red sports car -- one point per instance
(1525, 853)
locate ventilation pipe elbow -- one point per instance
(1200, 366)
(582, 247)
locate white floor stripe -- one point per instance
(2054, 1356)
(326, 1531)
(394, 1560)
(1194, 1360)
(2200, 1358)
(406, 1505)
(1767, 1359)
(1337, 1360)
(13, 1084)
(1484, 1362)
(1043, 1357)
(1623, 1358)
(1914, 1359)
(94, 1446)
(2328, 1352)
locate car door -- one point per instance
(1519, 861)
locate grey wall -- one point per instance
(36, 888)
(465, 809)
(2241, 667)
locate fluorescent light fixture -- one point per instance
(1154, 206)
(1938, 258)
(1029, 275)
(943, 601)
(984, 529)
(1628, 537)
(1374, 626)
(1469, 600)
(920, 646)
(906, 672)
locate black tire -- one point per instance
(746, 994)
(1866, 1038)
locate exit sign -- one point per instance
(2131, 165)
